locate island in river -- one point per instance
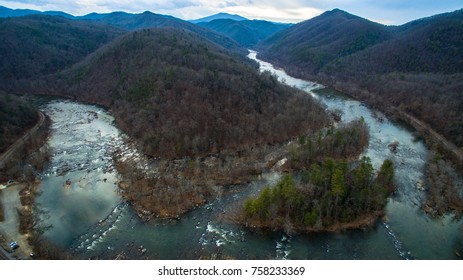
(330, 192)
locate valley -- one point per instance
(168, 139)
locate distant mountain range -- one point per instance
(219, 16)
(38, 44)
(7, 12)
(417, 67)
(246, 32)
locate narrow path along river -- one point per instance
(80, 196)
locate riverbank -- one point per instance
(434, 139)
(363, 222)
(22, 162)
(81, 147)
(171, 188)
(445, 149)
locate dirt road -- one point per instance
(5, 157)
(9, 228)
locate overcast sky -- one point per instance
(384, 11)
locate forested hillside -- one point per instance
(416, 68)
(16, 116)
(312, 44)
(7, 12)
(181, 95)
(37, 45)
(246, 32)
(151, 20)
(218, 16)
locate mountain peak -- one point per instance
(338, 12)
(219, 16)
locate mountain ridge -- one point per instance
(204, 101)
(415, 68)
(246, 32)
(37, 45)
(7, 12)
(218, 16)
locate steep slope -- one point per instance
(313, 43)
(428, 45)
(16, 116)
(416, 68)
(419, 71)
(37, 45)
(218, 16)
(181, 95)
(150, 20)
(246, 32)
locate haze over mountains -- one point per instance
(219, 16)
(7, 12)
(246, 32)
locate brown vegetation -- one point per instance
(182, 96)
(37, 45)
(444, 187)
(415, 68)
(23, 166)
(173, 187)
(16, 117)
(29, 158)
(32, 156)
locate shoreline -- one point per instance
(366, 221)
(434, 140)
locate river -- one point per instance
(80, 199)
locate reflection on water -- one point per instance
(89, 218)
(79, 188)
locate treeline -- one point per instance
(16, 117)
(344, 142)
(37, 45)
(330, 195)
(443, 187)
(182, 96)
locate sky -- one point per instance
(391, 12)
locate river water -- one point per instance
(81, 202)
